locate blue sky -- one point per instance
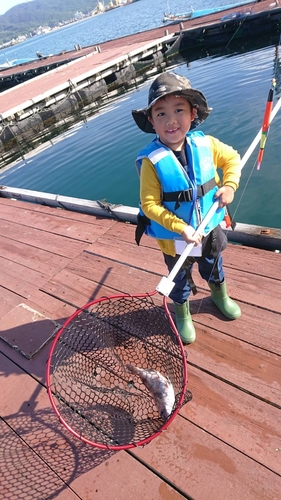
(8, 4)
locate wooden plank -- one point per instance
(33, 419)
(257, 290)
(126, 252)
(126, 233)
(52, 223)
(20, 279)
(249, 328)
(229, 429)
(74, 289)
(235, 360)
(27, 330)
(152, 260)
(117, 275)
(23, 473)
(215, 457)
(249, 259)
(12, 205)
(246, 259)
(57, 244)
(238, 419)
(57, 310)
(8, 300)
(13, 270)
(36, 367)
(89, 273)
(247, 367)
(78, 291)
(28, 325)
(205, 467)
(122, 278)
(33, 258)
(123, 477)
(252, 260)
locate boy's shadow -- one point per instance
(205, 306)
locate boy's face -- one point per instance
(171, 117)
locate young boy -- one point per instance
(178, 184)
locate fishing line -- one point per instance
(252, 147)
(241, 23)
(276, 58)
(245, 158)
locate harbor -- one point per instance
(52, 93)
(61, 252)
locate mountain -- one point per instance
(24, 18)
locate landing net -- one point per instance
(92, 392)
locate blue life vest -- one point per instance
(188, 196)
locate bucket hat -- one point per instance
(171, 83)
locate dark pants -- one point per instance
(182, 289)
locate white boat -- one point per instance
(170, 18)
(175, 18)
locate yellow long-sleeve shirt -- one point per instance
(224, 158)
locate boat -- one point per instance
(213, 10)
(236, 15)
(177, 18)
(191, 14)
(16, 62)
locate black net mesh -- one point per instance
(93, 391)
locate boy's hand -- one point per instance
(225, 195)
(188, 235)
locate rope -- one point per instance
(240, 25)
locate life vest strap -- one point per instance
(143, 221)
(180, 196)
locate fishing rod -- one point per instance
(268, 110)
(258, 136)
(166, 284)
(266, 122)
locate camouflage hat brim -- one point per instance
(167, 84)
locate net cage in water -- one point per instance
(90, 388)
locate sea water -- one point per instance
(96, 160)
(133, 18)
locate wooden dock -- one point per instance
(225, 444)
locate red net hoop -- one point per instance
(89, 386)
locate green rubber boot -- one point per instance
(226, 305)
(184, 323)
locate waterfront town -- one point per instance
(101, 8)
